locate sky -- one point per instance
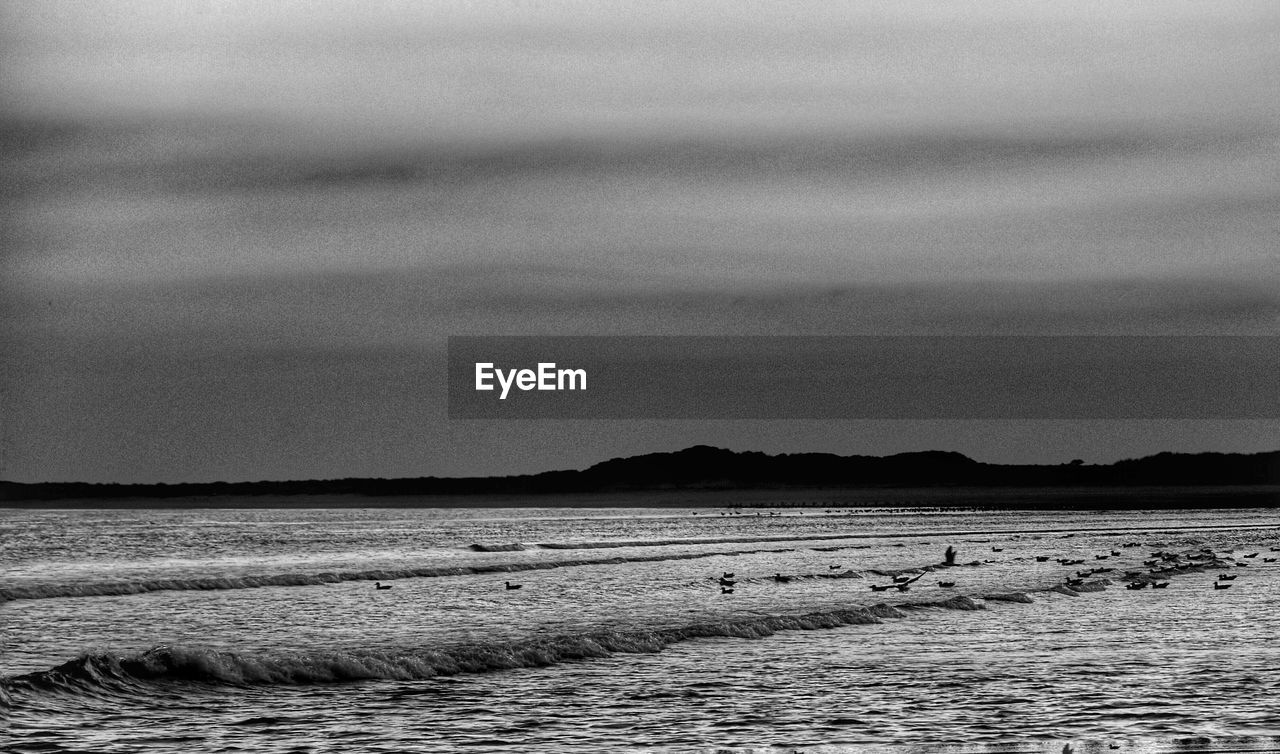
(236, 235)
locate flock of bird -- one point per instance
(1160, 564)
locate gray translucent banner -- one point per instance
(857, 377)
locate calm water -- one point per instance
(261, 631)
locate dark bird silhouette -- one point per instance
(950, 557)
(997, 549)
(782, 579)
(513, 586)
(727, 582)
(946, 584)
(1042, 558)
(726, 590)
(835, 567)
(1227, 576)
(727, 575)
(380, 585)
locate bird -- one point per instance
(997, 549)
(835, 567)
(727, 582)
(726, 590)
(782, 579)
(1042, 558)
(727, 575)
(380, 585)
(946, 584)
(1227, 576)
(1216, 585)
(512, 586)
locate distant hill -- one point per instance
(707, 468)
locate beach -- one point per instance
(261, 629)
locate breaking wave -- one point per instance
(141, 586)
(128, 674)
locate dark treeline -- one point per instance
(707, 468)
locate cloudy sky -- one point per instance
(236, 235)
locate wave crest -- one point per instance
(193, 664)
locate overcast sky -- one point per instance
(236, 234)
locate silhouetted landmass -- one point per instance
(707, 468)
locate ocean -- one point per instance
(262, 630)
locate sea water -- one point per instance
(261, 630)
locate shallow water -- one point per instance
(260, 630)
